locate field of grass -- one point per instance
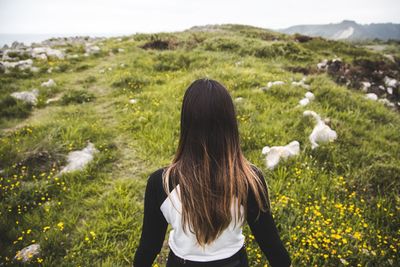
(337, 205)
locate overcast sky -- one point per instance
(131, 16)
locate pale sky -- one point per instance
(131, 16)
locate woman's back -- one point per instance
(161, 210)
(208, 190)
(184, 244)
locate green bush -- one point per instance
(14, 108)
(172, 62)
(132, 81)
(77, 96)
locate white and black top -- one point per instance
(161, 210)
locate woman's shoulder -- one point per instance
(156, 181)
(156, 176)
(157, 173)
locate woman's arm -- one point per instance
(265, 232)
(154, 225)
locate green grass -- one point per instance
(333, 205)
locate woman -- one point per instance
(208, 192)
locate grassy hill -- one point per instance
(335, 205)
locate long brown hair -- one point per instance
(209, 165)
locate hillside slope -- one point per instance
(335, 205)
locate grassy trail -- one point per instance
(337, 205)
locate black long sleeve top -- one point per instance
(157, 215)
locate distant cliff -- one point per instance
(348, 30)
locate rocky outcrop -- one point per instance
(372, 77)
(6, 66)
(27, 96)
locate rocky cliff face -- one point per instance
(348, 30)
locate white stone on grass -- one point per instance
(371, 96)
(308, 97)
(304, 102)
(49, 83)
(270, 84)
(54, 99)
(133, 101)
(323, 64)
(41, 57)
(321, 133)
(78, 159)
(301, 83)
(21, 65)
(48, 52)
(390, 82)
(276, 153)
(27, 253)
(27, 96)
(365, 86)
(92, 50)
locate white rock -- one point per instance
(55, 53)
(304, 102)
(371, 96)
(270, 84)
(27, 96)
(49, 52)
(49, 83)
(22, 64)
(390, 82)
(310, 96)
(41, 57)
(276, 153)
(323, 64)
(133, 101)
(365, 86)
(92, 49)
(28, 252)
(120, 50)
(389, 90)
(238, 99)
(78, 159)
(54, 99)
(382, 87)
(321, 133)
(338, 59)
(301, 83)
